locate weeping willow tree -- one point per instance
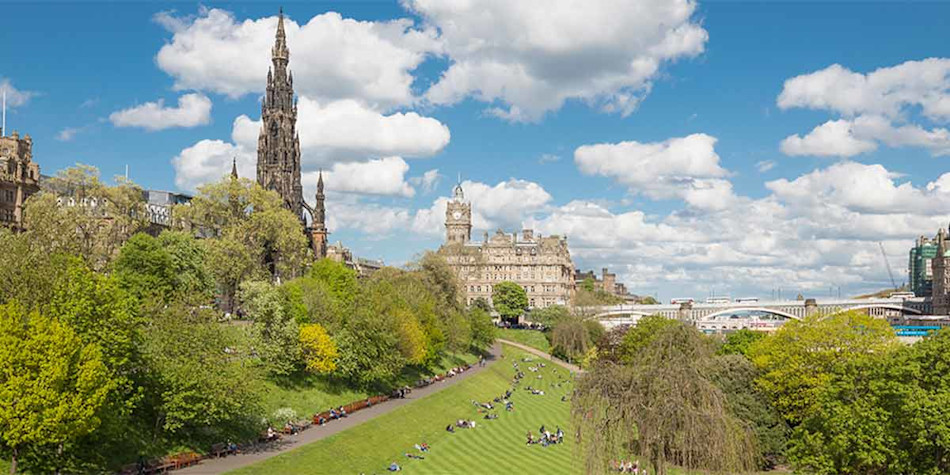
(662, 408)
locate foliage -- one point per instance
(648, 300)
(274, 333)
(801, 359)
(483, 330)
(340, 280)
(483, 304)
(571, 339)
(78, 214)
(735, 376)
(252, 234)
(595, 297)
(370, 355)
(661, 406)
(509, 299)
(145, 269)
(640, 336)
(549, 316)
(200, 385)
(739, 342)
(52, 386)
(318, 350)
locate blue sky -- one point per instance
(704, 197)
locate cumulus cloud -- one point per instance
(527, 58)
(878, 107)
(210, 160)
(684, 167)
(385, 176)
(15, 97)
(428, 181)
(67, 134)
(332, 57)
(193, 110)
(346, 130)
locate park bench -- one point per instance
(220, 450)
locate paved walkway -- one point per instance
(542, 354)
(316, 433)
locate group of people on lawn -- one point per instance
(628, 467)
(423, 448)
(545, 437)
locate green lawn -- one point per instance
(532, 338)
(496, 446)
(315, 394)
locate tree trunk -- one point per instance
(13, 462)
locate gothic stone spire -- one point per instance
(278, 147)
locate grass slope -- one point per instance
(533, 338)
(314, 394)
(493, 447)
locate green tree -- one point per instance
(189, 263)
(201, 385)
(663, 407)
(52, 387)
(340, 280)
(549, 316)
(78, 214)
(274, 332)
(483, 330)
(570, 339)
(739, 342)
(509, 299)
(641, 335)
(252, 234)
(803, 357)
(146, 269)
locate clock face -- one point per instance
(457, 215)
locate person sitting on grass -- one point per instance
(491, 416)
(394, 467)
(530, 438)
(509, 406)
(449, 428)
(414, 456)
(560, 435)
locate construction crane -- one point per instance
(888, 264)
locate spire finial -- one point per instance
(234, 173)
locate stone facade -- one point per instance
(318, 227)
(541, 265)
(278, 145)
(607, 281)
(941, 275)
(19, 178)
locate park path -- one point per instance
(315, 433)
(537, 352)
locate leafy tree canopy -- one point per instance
(509, 299)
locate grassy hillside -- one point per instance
(496, 446)
(532, 338)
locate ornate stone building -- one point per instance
(941, 275)
(278, 146)
(607, 281)
(19, 177)
(542, 265)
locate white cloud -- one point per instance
(428, 181)
(332, 57)
(878, 107)
(210, 160)
(370, 218)
(765, 165)
(528, 57)
(67, 134)
(548, 158)
(684, 167)
(833, 138)
(346, 130)
(193, 110)
(15, 97)
(385, 176)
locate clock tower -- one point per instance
(458, 218)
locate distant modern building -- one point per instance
(541, 265)
(19, 177)
(941, 275)
(607, 281)
(920, 266)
